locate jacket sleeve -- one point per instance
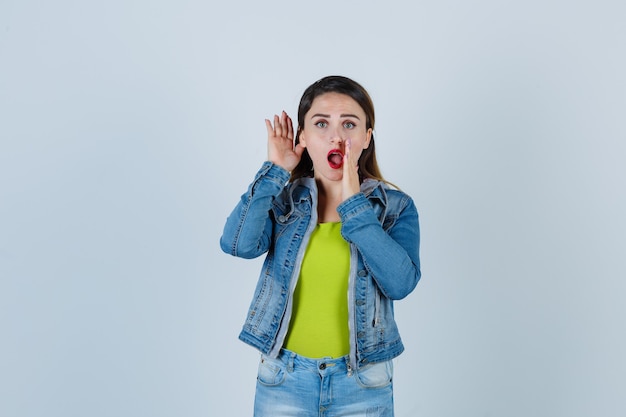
(391, 256)
(248, 229)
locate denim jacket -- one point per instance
(278, 217)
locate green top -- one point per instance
(319, 322)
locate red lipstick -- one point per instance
(335, 158)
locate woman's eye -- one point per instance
(321, 124)
(349, 125)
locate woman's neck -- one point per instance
(329, 197)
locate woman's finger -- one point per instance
(283, 123)
(347, 162)
(289, 128)
(270, 129)
(277, 128)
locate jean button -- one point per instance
(322, 366)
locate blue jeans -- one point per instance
(293, 385)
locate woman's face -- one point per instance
(332, 120)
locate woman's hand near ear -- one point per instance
(280, 145)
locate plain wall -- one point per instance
(129, 129)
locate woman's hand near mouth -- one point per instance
(350, 180)
(280, 147)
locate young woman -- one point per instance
(341, 245)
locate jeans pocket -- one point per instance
(271, 371)
(376, 375)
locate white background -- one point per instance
(129, 129)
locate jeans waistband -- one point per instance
(294, 361)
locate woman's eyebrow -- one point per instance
(328, 115)
(320, 115)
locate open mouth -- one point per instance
(335, 159)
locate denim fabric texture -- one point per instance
(277, 218)
(292, 385)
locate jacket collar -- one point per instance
(373, 189)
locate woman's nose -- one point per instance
(336, 138)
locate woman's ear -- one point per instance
(301, 139)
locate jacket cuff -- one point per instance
(353, 206)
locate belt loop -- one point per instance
(290, 361)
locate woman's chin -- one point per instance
(329, 174)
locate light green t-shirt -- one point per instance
(319, 322)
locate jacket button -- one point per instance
(360, 335)
(360, 302)
(281, 218)
(362, 273)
